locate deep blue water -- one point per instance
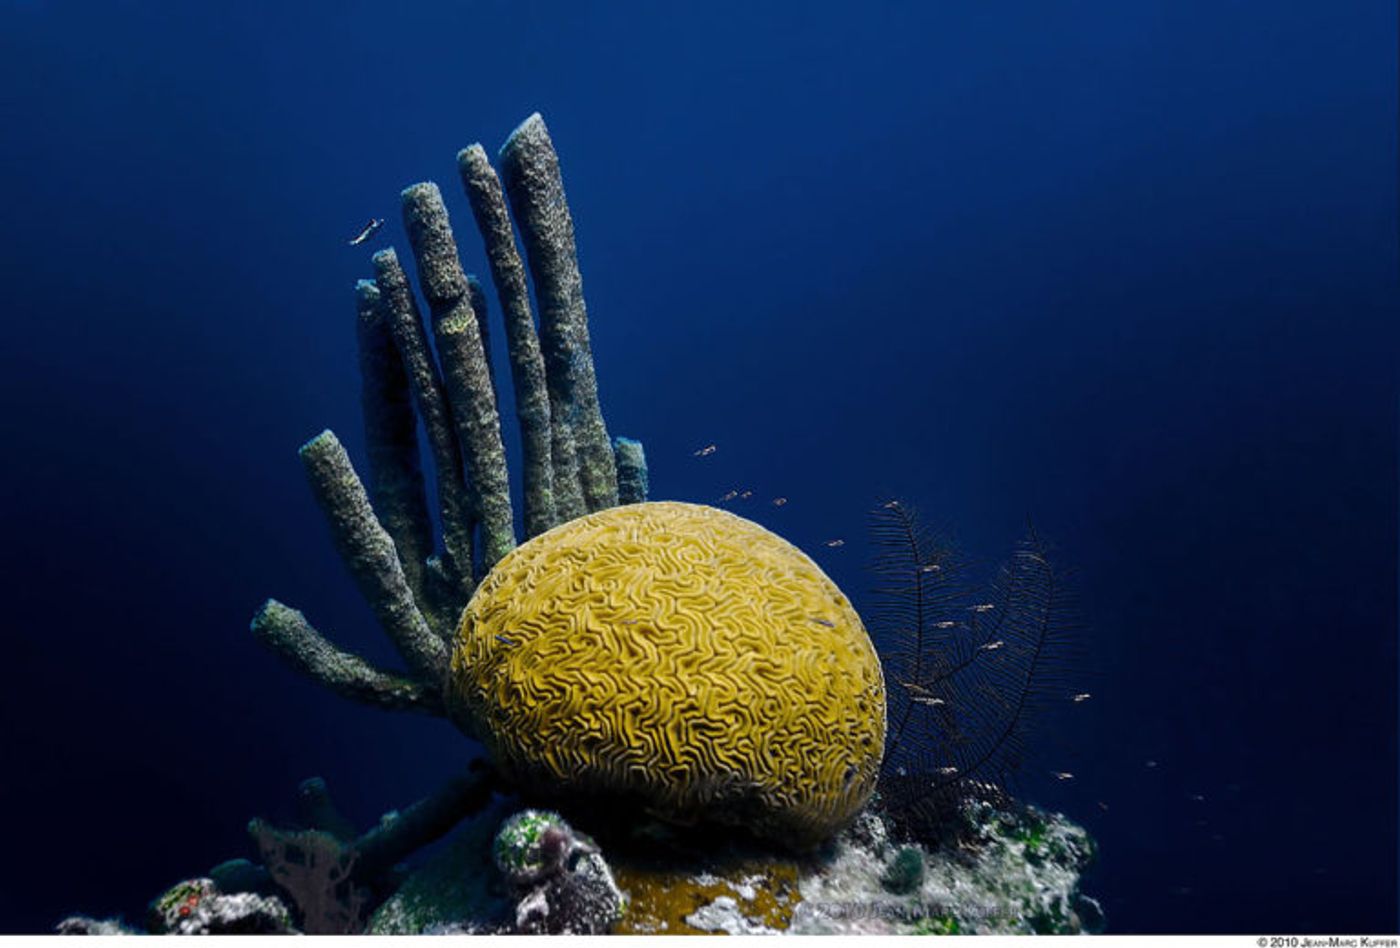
(1129, 268)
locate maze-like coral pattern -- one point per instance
(682, 655)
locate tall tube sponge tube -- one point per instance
(632, 480)
(552, 492)
(465, 371)
(369, 553)
(454, 586)
(483, 319)
(535, 188)
(391, 439)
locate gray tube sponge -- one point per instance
(369, 554)
(536, 191)
(483, 321)
(286, 631)
(464, 370)
(632, 481)
(454, 504)
(391, 438)
(546, 479)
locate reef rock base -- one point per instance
(1011, 870)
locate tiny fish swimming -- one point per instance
(368, 231)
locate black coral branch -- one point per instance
(968, 670)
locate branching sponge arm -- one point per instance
(391, 439)
(369, 553)
(286, 631)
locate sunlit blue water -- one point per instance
(1127, 268)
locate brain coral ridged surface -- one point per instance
(680, 655)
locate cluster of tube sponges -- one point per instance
(416, 585)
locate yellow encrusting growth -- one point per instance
(681, 655)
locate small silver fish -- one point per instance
(930, 568)
(931, 702)
(835, 543)
(746, 495)
(992, 646)
(705, 452)
(891, 505)
(729, 496)
(984, 607)
(1062, 775)
(946, 771)
(1080, 698)
(779, 501)
(368, 231)
(945, 624)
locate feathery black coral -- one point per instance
(967, 671)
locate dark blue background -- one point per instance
(1127, 267)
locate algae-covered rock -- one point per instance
(562, 882)
(905, 872)
(85, 925)
(531, 845)
(456, 890)
(528, 873)
(724, 915)
(582, 898)
(197, 907)
(1012, 872)
(735, 893)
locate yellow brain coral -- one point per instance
(680, 655)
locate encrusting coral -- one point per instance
(669, 655)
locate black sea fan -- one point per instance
(968, 669)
